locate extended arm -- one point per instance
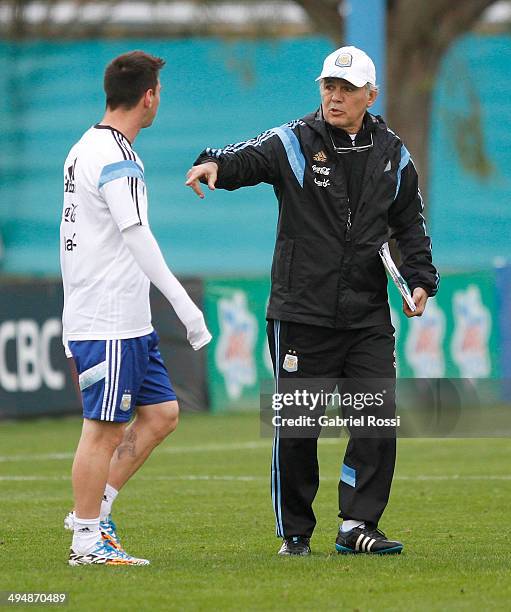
(239, 165)
(146, 252)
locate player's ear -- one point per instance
(148, 98)
(371, 98)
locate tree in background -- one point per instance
(419, 32)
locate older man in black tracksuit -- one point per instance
(345, 183)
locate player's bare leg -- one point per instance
(97, 444)
(91, 464)
(150, 427)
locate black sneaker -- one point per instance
(296, 545)
(366, 540)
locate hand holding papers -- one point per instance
(395, 275)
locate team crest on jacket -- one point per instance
(290, 363)
(320, 157)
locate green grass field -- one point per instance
(200, 510)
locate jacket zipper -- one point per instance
(348, 226)
(347, 238)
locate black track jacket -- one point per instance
(326, 267)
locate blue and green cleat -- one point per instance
(104, 554)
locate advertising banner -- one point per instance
(458, 334)
(238, 357)
(457, 337)
(35, 375)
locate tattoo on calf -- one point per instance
(127, 446)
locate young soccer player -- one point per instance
(109, 257)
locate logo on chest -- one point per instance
(320, 156)
(322, 171)
(322, 182)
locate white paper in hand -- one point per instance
(395, 275)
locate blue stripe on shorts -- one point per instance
(115, 376)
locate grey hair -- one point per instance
(370, 87)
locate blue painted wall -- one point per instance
(215, 93)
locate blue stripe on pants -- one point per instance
(275, 481)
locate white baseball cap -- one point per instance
(351, 64)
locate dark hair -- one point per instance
(129, 76)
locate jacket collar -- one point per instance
(383, 138)
(315, 120)
(363, 137)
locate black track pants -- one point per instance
(368, 466)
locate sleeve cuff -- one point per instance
(428, 290)
(129, 223)
(205, 159)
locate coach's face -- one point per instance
(151, 104)
(344, 105)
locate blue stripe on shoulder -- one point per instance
(405, 158)
(293, 151)
(119, 170)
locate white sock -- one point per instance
(349, 525)
(86, 535)
(108, 499)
